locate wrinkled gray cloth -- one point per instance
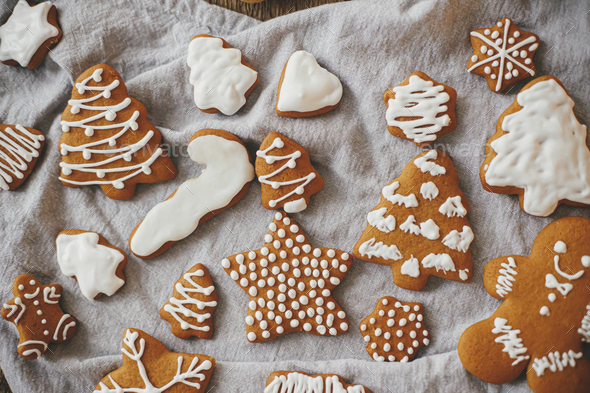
(371, 46)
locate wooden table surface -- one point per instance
(263, 11)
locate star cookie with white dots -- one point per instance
(394, 331)
(290, 284)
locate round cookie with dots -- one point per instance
(394, 331)
(290, 284)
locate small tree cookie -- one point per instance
(545, 315)
(420, 227)
(37, 315)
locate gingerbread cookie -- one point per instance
(394, 331)
(539, 151)
(107, 139)
(306, 89)
(284, 169)
(420, 227)
(29, 34)
(222, 184)
(92, 261)
(20, 148)
(503, 54)
(298, 382)
(37, 316)
(190, 308)
(544, 318)
(290, 284)
(223, 80)
(149, 367)
(420, 109)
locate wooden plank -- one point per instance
(269, 9)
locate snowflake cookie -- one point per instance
(298, 382)
(503, 54)
(394, 331)
(545, 317)
(36, 313)
(20, 148)
(290, 284)
(149, 367)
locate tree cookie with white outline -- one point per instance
(394, 331)
(545, 316)
(420, 109)
(36, 313)
(299, 382)
(20, 148)
(503, 54)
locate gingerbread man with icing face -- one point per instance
(545, 316)
(37, 316)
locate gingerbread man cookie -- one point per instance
(545, 315)
(149, 367)
(298, 382)
(20, 148)
(37, 316)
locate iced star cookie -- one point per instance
(394, 331)
(420, 109)
(149, 367)
(190, 308)
(290, 284)
(298, 382)
(419, 227)
(306, 89)
(36, 313)
(503, 54)
(29, 34)
(223, 183)
(222, 79)
(545, 317)
(284, 169)
(20, 148)
(92, 261)
(539, 151)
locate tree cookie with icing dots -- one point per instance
(420, 227)
(503, 54)
(29, 34)
(307, 89)
(92, 261)
(36, 313)
(20, 148)
(290, 284)
(298, 382)
(545, 317)
(222, 184)
(190, 308)
(149, 367)
(107, 139)
(394, 331)
(222, 79)
(420, 109)
(539, 151)
(284, 169)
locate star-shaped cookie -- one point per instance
(290, 284)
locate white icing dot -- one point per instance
(244, 282)
(21, 287)
(44, 321)
(289, 243)
(495, 35)
(527, 61)
(225, 263)
(251, 336)
(300, 238)
(486, 32)
(490, 52)
(378, 332)
(413, 334)
(552, 297)
(252, 255)
(283, 254)
(410, 350)
(516, 34)
(272, 226)
(511, 40)
(474, 58)
(387, 335)
(399, 333)
(39, 312)
(487, 70)
(363, 327)
(390, 322)
(266, 334)
(493, 76)
(344, 256)
(387, 347)
(36, 302)
(263, 325)
(281, 233)
(252, 305)
(268, 238)
(426, 341)
(294, 228)
(249, 320)
(276, 244)
(391, 313)
(400, 346)
(240, 259)
(495, 63)
(46, 332)
(483, 49)
(374, 345)
(307, 327)
(367, 338)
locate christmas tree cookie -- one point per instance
(107, 139)
(539, 151)
(420, 227)
(20, 148)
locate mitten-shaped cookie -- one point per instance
(298, 382)
(37, 315)
(544, 318)
(420, 227)
(20, 148)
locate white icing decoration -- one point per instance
(506, 277)
(429, 190)
(544, 311)
(16, 151)
(552, 283)
(377, 219)
(66, 328)
(93, 264)
(300, 383)
(33, 350)
(453, 207)
(410, 226)
(459, 241)
(585, 329)
(560, 247)
(25, 31)
(49, 295)
(379, 250)
(544, 151)
(419, 98)
(563, 274)
(442, 262)
(218, 75)
(388, 193)
(228, 169)
(411, 267)
(425, 164)
(555, 361)
(509, 338)
(14, 307)
(291, 162)
(428, 229)
(306, 86)
(464, 274)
